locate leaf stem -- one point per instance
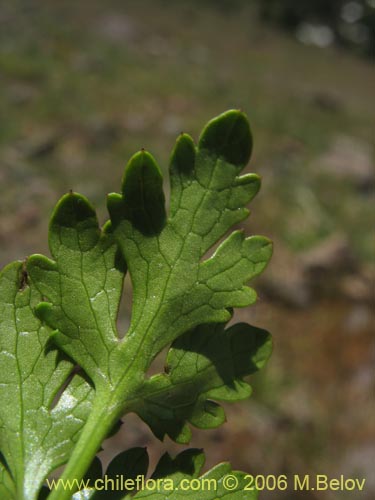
(100, 422)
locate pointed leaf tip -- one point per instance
(228, 136)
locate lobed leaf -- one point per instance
(204, 365)
(181, 479)
(174, 288)
(36, 433)
(127, 465)
(172, 479)
(83, 286)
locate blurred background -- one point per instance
(86, 84)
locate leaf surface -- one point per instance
(175, 288)
(83, 286)
(203, 366)
(126, 466)
(180, 478)
(36, 435)
(173, 479)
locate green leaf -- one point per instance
(83, 286)
(36, 435)
(127, 465)
(179, 478)
(7, 486)
(173, 478)
(174, 287)
(205, 364)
